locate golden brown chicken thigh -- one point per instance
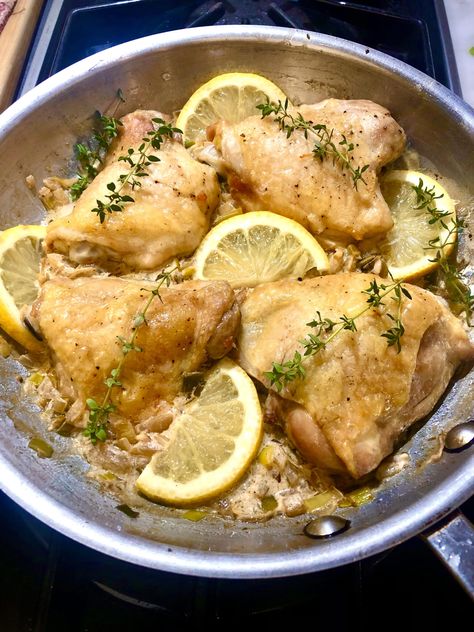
(169, 216)
(268, 171)
(82, 320)
(358, 394)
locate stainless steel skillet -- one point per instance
(36, 137)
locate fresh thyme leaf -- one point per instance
(78, 187)
(104, 136)
(98, 417)
(449, 277)
(138, 161)
(99, 413)
(312, 344)
(92, 404)
(425, 198)
(326, 330)
(449, 280)
(139, 320)
(405, 292)
(113, 379)
(321, 324)
(373, 292)
(128, 346)
(348, 323)
(91, 156)
(394, 334)
(324, 146)
(287, 372)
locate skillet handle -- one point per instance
(453, 542)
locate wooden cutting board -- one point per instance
(15, 40)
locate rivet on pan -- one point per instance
(460, 437)
(326, 526)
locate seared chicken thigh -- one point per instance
(169, 216)
(84, 321)
(268, 171)
(358, 394)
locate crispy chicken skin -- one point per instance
(358, 394)
(169, 217)
(268, 171)
(81, 320)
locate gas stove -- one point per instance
(414, 32)
(52, 584)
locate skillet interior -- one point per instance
(37, 136)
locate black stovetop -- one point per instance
(49, 583)
(414, 32)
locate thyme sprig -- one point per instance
(459, 293)
(90, 156)
(325, 330)
(324, 146)
(137, 160)
(426, 199)
(394, 334)
(99, 413)
(448, 273)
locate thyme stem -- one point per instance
(90, 156)
(449, 276)
(313, 343)
(138, 161)
(99, 413)
(324, 145)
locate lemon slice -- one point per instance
(20, 254)
(212, 442)
(405, 248)
(258, 247)
(231, 97)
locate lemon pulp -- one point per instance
(258, 247)
(406, 246)
(211, 444)
(20, 254)
(231, 97)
